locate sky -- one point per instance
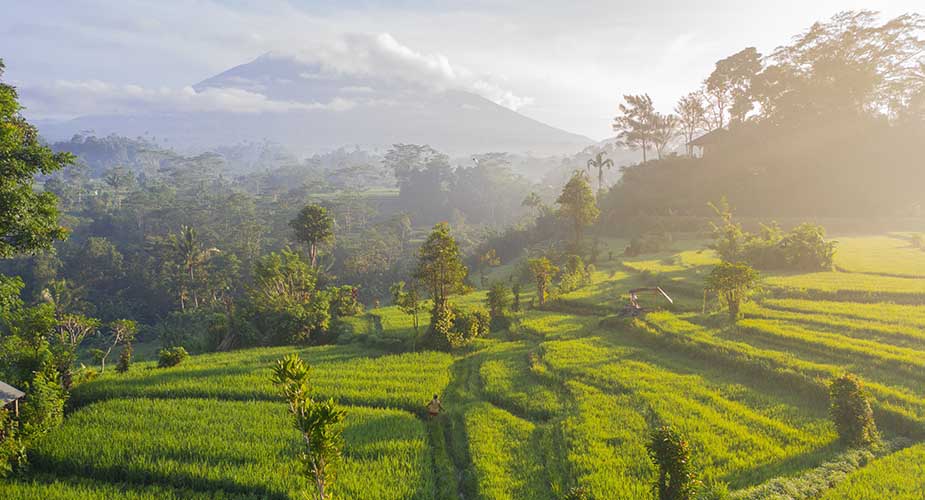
(565, 63)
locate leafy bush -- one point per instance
(542, 271)
(805, 248)
(732, 282)
(456, 327)
(125, 359)
(671, 454)
(43, 407)
(470, 323)
(12, 453)
(851, 411)
(499, 300)
(171, 357)
(285, 305)
(344, 301)
(575, 274)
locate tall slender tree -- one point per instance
(440, 265)
(192, 257)
(314, 227)
(599, 163)
(576, 204)
(634, 125)
(664, 130)
(691, 118)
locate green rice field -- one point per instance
(566, 397)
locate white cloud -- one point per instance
(382, 57)
(574, 59)
(65, 98)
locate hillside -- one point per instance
(307, 110)
(566, 397)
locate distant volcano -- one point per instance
(307, 109)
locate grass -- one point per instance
(731, 439)
(849, 286)
(508, 381)
(900, 476)
(505, 458)
(887, 255)
(352, 374)
(566, 397)
(893, 314)
(233, 447)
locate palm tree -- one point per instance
(192, 255)
(600, 162)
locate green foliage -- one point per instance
(441, 269)
(43, 407)
(125, 359)
(671, 454)
(599, 163)
(409, 302)
(469, 323)
(440, 264)
(122, 331)
(455, 326)
(28, 220)
(314, 227)
(345, 301)
(806, 249)
(543, 272)
(70, 333)
(319, 422)
(187, 328)
(802, 249)
(636, 123)
(498, 300)
(728, 236)
(286, 305)
(515, 302)
(732, 283)
(12, 452)
(851, 411)
(577, 205)
(173, 356)
(575, 274)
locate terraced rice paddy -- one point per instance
(566, 397)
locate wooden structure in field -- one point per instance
(10, 396)
(708, 142)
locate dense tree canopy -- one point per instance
(28, 219)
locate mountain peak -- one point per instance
(312, 102)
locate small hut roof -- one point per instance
(8, 393)
(709, 138)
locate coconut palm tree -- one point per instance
(599, 162)
(192, 256)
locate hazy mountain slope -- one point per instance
(315, 111)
